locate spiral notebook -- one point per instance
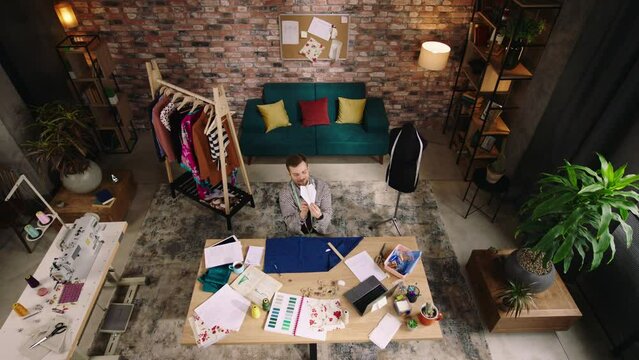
(292, 315)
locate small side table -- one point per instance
(78, 204)
(499, 189)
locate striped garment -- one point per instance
(214, 144)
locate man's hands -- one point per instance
(314, 209)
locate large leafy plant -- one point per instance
(574, 209)
(64, 137)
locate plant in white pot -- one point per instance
(573, 212)
(65, 140)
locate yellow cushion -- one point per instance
(351, 111)
(274, 115)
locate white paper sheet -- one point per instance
(363, 266)
(385, 331)
(290, 32)
(254, 256)
(226, 308)
(334, 51)
(222, 254)
(308, 193)
(321, 28)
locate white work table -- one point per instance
(16, 331)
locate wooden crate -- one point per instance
(555, 308)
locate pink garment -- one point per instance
(189, 160)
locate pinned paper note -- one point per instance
(320, 28)
(308, 193)
(290, 31)
(312, 49)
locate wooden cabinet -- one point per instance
(91, 72)
(504, 44)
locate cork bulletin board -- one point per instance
(314, 37)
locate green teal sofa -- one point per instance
(369, 138)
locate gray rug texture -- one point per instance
(170, 247)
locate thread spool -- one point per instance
(255, 312)
(31, 231)
(43, 219)
(33, 282)
(266, 304)
(20, 310)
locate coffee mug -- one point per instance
(429, 320)
(237, 267)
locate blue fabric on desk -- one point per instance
(298, 254)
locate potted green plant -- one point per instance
(65, 141)
(521, 33)
(573, 211)
(516, 297)
(496, 169)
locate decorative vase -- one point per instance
(84, 182)
(492, 177)
(516, 272)
(513, 54)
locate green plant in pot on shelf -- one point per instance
(572, 215)
(496, 169)
(516, 297)
(521, 33)
(64, 139)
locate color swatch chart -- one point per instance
(284, 313)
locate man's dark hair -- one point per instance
(294, 160)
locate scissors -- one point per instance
(59, 329)
(379, 259)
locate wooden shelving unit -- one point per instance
(91, 73)
(482, 77)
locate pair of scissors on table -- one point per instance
(379, 259)
(59, 329)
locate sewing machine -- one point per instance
(80, 246)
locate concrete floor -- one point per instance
(584, 341)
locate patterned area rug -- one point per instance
(169, 250)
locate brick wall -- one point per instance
(236, 43)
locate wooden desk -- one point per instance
(358, 328)
(79, 204)
(555, 309)
(78, 314)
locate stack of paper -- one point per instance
(363, 266)
(222, 254)
(218, 316)
(385, 331)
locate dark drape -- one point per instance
(595, 105)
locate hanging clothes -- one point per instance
(201, 148)
(164, 115)
(158, 149)
(214, 143)
(163, 135)
(189, 161)
(175, 121)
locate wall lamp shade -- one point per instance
(433, 55)
(65, 13)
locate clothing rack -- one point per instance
(186, 183)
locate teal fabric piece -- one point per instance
(332, 91)
(214, 278)
(291, 93)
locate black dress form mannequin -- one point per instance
(406, 149)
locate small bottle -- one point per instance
(20, 310)
(266, 304)
(33, 282)
(255, 312)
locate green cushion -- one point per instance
(291, 93)
(350, 139)
(252, 120)
(280, 142)
(334, 90)
(375, 119)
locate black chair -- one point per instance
(499, 189)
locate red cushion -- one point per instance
(314, 112)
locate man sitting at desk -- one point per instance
(301, 216)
